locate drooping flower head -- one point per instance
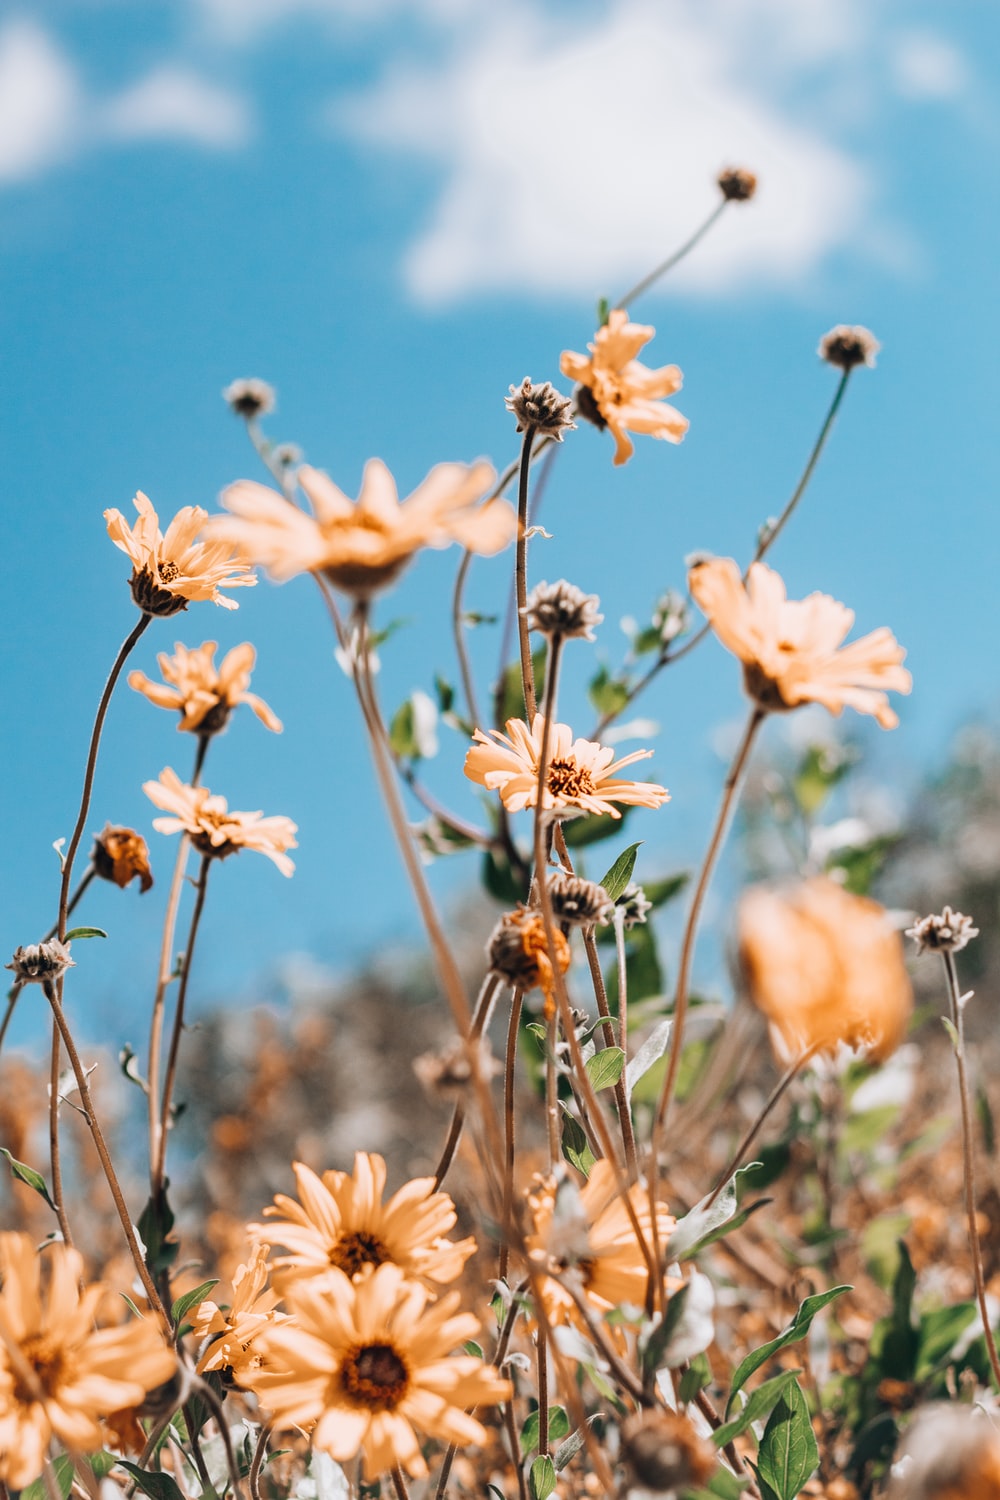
(212, 828)
(519, 950)
(619, 392)
(580, 773)
(368, 1365)
(362, 547)
(342, 1222)
(791, 648)
(170, 570)
(121, 855)
(825, 967)
(205, 694)
(59, 1374)
(233, 1330)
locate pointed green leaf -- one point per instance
(797, 1329)
(542, 1478)
(191, 1299)
(788, 1452)
(575, 1146)
(559, 1426)
(605, 1068)
(83, 932)
(618, 877)
(29, 1176)
(157, 1486)
(761, 1402)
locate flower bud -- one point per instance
(563, 609)
(846, 347)
(249, 399)
(541, 407)
(39, 963)
(736, 184)
(122, 855)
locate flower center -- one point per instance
(46, 1359)
(568, 779)
(168, 570)
(353, 1252)
(375, 1376)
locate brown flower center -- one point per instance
(568, 779)
(375, 1376)
(763, 689)
(168, 570)
(353, 1252)
(46, 1358)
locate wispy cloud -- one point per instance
(926, 66)
(176, 104)
(39, 101)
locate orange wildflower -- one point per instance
(212, 828)
(169, 571)
(234, 1329)
(619, 392)
(205, 694)
(791, 648)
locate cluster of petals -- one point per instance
(176, 564)
(212, 828)
(361, 547)
(792, 649)
(205, 694)
(59, 1373)
(626, 393)
(579, 774)
(825, 968)
(232, 1330)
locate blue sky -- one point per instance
(392, 211)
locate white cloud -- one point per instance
(576, 157)
(39, 101)
(175, 104)
(925, 66)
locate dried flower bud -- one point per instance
(846, 347)
(663, 1453)
(151, 597)
(633, 905)
(672, 616)
(578, 901)
(249, 398)
(563, 609)
(122, 855)
(736, 184)
(541, 407)
(948, 933)
(519, 951)
(448, 1073)
(38, 963)
(286, 454)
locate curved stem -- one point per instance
(458, 631)
(257, 1463)
(178, 1029)
(480, 1020)
(399, 1483)
(521, 579)
(674, 259)
(791, 1073)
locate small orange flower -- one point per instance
(619, 392)
(234, 1330)
(824, 967)
(205, 694)
(579, 774)
(791, 648)
(170, 570)
(212, 828)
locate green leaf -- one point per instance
(702, 1224)
(575, 1146)
(866, 1129)
(761, 1402)
(501, 880)
(62, 1467)
(559, 1426)
(28, 1176)
(471, 1347)
(445, 694)
(155, 1224)
(83, 932)
(608, 694)
(895, 1339)
(642, 967)
(571, 1447)
(653, 1347)
(773, 1161)
(592, 828)
(819, 772)
(940, 1331)
(695, 1378)
(985, 1116)
(542, 1478)
(788, 1452)
(949, 1027)
(157, 1486)
(797, 1329)
(603, 308)
(185, 1303)
(618, 877)
(605, 1068)
(402, 736)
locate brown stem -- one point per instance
(542, 1368)
(399, 1484)
(461, 649)
(257, 1463)
(178, 1030)
(621, 1090)
(674, 259)
(513, 1029)
(521, 578)
(515, 1448)
(55, 1155)
(738, 1155)
(480, 1019)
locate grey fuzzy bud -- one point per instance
(577, 901)
(948, 933)
(846, 347)
(38, 963)
(249, 398)
(563, 609)
(541, 407)
(633, 905)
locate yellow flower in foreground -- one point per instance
(595, 1240)
(58, 1373)
(579, 772)
(170, 570)
(791, 648)
(824, 967)
(363, 547)
(205, 694)
(342, 1222)
(617, 391)
(234, 1330)
(212, 828)
(368, 1366)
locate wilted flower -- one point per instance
(234, 1329)
(736, 184)
(518, 949)
(341, 1221)
(563, 609)
(791, 648)
(212, 828)
(249, 398)
(580, 902)
(579, 774)
(634, 905)
(38, 963)
(664, 1454)
(122, 855)
(58, 1373)
(825, 967)
(169, 571)
(948, 933)
(362, 548)
(368, 1366)
(204, 694)
(951, 1452)
(619, 392)
(448, 1073)
(542, 407)
(846, 347)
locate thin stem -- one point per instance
(88, 779)
(178, 1029)
(521, 578)
(458, 631)
(553, 1132)
(783, 1083)
(480, 1019)
(513, 1030)
(515, 1448)
(957, 1005)
(621, 1090)
(55, 1155)
(542, 1368)
(628, 1382)
(257, 1463)
(15, 989)
(437, 809)
(399, 1484)
(672, 260)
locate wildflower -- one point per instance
(169, 571)
(846, 347)
(362, 548)
(214, 830)
(40, 963)
(590, 1233)
(122, 855)
(541, 407)
(790, 648)
(634, 905)
(664, 1454)
(519, 950)
(580, 902)
(234, 1330)
(580, 773)
(948, 933)
(563, 609)
(249, 399)
(824, 967)
(341, 1222)
(619, 392)
(736, 184)
(204, 694)
(952, 1452)
(368, 1366)
(58, 1373)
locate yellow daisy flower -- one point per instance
(619, 392)
(169, 571)
(205, 694)
(212, 828)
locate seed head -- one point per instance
(664, 1453)
(948, 933)
(286, 454)
(563, 609)
(519, 951)
(577, 901)
(541, 407)
(634, 905)
(249, 399)
(122, 855)
(38, 963)
(736, 184)
(846, 347)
